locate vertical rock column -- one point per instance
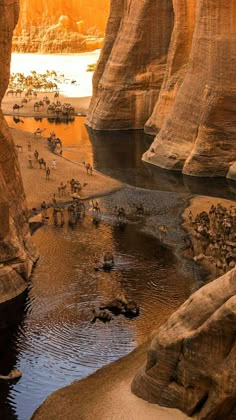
(177, 62)
(136, 45)
(17, 253)
(198, 134)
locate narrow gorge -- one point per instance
(167, 67)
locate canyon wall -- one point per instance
(132, 65)
(58, 26)
(191, 106)
(17, 253)
(191, 360)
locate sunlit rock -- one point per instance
(190, 363)
(132, 64)
(232, 172)
(197, 136)
(194, 115)
(48, 26)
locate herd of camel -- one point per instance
(214, 234)
(31, 85)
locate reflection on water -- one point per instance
(118, 154)
(56, 343)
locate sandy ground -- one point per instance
(106, 395)
(37, 188)
(80, 104)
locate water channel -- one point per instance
(47, 333)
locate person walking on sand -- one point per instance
(47, 173)
(54, 164)
(36, 154)
(30, 161)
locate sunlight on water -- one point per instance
(72, 66)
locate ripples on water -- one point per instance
(56, 343)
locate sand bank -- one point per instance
(37, 188)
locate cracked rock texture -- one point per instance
(178, 81)
(191, 360)
(60, 26)
(17, 253)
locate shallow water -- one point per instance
(51, 338)
(56, 342)
(119, 153)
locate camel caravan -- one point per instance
(214, 237)
(27, 89)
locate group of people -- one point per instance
(215, 233)
(55, 143)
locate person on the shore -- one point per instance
(42, 162)
(54, 200)
(36, 154)
(48, 173)
(54, 164)
(44, 210)
(30, 160)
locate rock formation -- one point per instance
(57, 26)
(191, 360)
(17, 253)
(194, 115)
(132, 64)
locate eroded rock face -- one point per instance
(198, 134)
(48, 26)
(177, 63)
(132, 64)
(191, 360)
(17, 253)
(194, 115)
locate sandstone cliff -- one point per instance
(16, 250)
(132, 64)
(191, 360)
(194, 115)
(58, 26)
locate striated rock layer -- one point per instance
(191, 360)
(59, 26)
(17, 253)
(193, 118)
(131, 68)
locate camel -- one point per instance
(16, 106)
(14, 374)
(103, 315)
(12, 91)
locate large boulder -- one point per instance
(191, 360)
